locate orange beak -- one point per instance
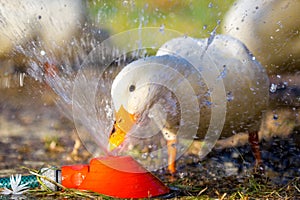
(123, 124)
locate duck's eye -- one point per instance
(131, 88)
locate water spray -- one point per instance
(202, 75)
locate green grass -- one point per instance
(196, 18)
(252, 188)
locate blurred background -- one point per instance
(191, 17)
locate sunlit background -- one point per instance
(192, 17)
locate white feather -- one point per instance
(244, 78)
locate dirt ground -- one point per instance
(35, 134)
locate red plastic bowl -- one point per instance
(120, 177)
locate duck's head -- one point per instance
(142, 94)
(130, 94)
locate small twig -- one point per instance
(223, 196)
(29, 169)
(48, 179)
(203, 190)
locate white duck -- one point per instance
(38, 26)
(271, 31)
(179, 91)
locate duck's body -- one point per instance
(184, 84)
(48, 26)
(271, 30)
(245, 81)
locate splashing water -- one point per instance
(83, 82)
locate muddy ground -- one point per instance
(35, 134)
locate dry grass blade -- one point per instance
(63, 191)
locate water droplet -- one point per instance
(144, 155)
(162, 28)
(43, 52)
(273, 88)
(210, 5)
(230, 96)
(208, 103)
(182, 174)
(279, 24)
(275, 116)
(151, 155)
(125, 3)
(223, 73)
(21, 79)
